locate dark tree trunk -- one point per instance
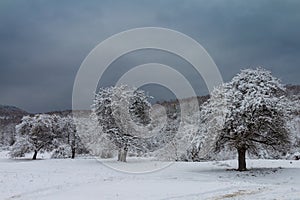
(73, 153)
(34, 155)
(242, 159)
(119, 154)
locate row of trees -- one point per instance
(249, 114)
(43, 132)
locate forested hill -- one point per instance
(293, 89)
(11, 111)
(10, 116)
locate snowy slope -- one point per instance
(89, 179)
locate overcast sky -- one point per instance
(43, 43)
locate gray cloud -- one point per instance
(44, 42)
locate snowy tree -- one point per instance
(48, 133)
(92, 135)
(178, 147)
(67, 138)
(34, 134)
(250, 113)
(122, 113)
(139, 107)
(294, 126)
(62, 151)
(212, 117)
(20, 147)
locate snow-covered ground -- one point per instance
(87, 178)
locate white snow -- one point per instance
(88, 178)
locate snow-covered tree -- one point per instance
(187, 126)
(248, 114)
(294, 126)
(67, 138)
(34, 134)
(20, 147)
(139, 107)
(62, 151)
(92, 135)
(122, 113)
(212, 117)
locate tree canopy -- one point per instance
(253, 112)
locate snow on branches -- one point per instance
(34, 134)
(123, 113)
(124, 116)
(43, 132)
(252, 110)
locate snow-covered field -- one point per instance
(87, 178)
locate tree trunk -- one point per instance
(119, 154)
(242, 159)
(73, 153)
(34, 155)
(122, 154)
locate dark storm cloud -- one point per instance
(242, 34)
(42, 43)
